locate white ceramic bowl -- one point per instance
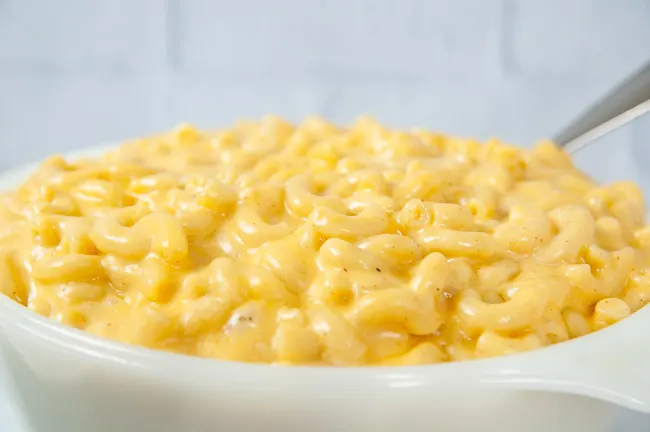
(67, 380)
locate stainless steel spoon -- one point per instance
(626, 102)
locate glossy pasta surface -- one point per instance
(317, 244)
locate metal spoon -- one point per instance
(626, 102)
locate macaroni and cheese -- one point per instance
(315, 244)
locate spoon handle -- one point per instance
(623, 104)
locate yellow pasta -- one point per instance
(323, 245)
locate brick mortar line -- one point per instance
(173, 34)
(506, 54)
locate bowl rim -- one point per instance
(113, 351)
(503, 372)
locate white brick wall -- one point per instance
(575, 40)
(116, 37)
(74, 72)
(351, 39)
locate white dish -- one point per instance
(73, 381)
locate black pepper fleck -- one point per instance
(378, 269)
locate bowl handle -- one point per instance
(612, 364)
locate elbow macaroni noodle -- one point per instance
(315, 244)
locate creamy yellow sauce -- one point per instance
(315, 244)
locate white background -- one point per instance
(74, 73)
